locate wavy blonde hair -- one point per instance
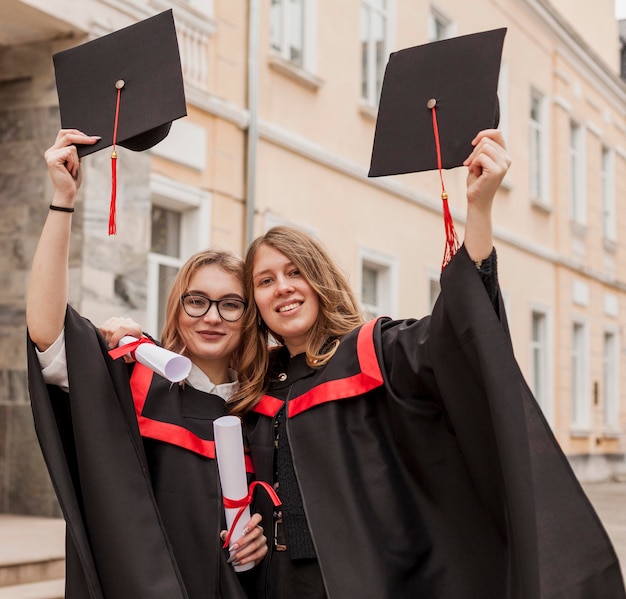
(170, 337)
(339, 312)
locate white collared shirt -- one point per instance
(53, 362)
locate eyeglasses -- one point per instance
(229, 309)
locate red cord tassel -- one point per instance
(112, 206)
(452, 241)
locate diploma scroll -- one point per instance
(168, 364)
(232, 469)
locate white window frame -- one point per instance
(607, 175)
(541, 360)
(372, 72)
(204, 7)
(580, 377)
(387, 268)
(308, 25)
(437, 17)
(538, 150)
(577, 166)
(194, 205)
(610, 380)
(434, 283)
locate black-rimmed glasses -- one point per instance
(196, 305)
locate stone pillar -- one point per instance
(28, 123)
(107, 274)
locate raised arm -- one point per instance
(487, 164)
(46, 299)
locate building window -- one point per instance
(540, 359)
(288, 32)
(371, 289)
(374, 48)
(536, 148)
(434, 289)
(608, 195)
(202, 6)
(577, 170)
(610, 394)
(378, 283)
(622, 43)
(165, 253)
(580, 365)
(180, 227)
(440, 27)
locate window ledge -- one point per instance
(610, 246)
(579, 230)
(294, 72)
(580, 433)
(611, 433)
(507, 184)
(369, 111)
(541, 205)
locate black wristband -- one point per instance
(61, 208)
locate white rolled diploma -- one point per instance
(232, 468)
(168, 364)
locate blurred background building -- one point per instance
(282, 102)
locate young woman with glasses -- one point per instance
(130, 454)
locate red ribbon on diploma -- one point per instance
(242, 504)
(129, 348)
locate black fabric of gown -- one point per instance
(425, 466)
(143, 515)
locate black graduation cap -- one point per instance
(434, 100)
(126, 87)
(145, 57)
(459, 78)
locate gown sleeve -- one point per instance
(557, 544)
(406, 347)
(117, 546)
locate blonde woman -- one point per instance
(409, 455)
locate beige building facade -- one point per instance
(282, 103)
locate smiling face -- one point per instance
(209, 339)
(286, 301)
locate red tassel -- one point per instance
(112, 207)
(452, 241)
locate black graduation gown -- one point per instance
(143, 516)
(426, 468)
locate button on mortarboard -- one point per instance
(461, 76)
(145, 56)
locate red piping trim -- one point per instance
(369, 378)
(268, 406)
(173, 434)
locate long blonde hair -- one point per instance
(170, 337)
(339, 311)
